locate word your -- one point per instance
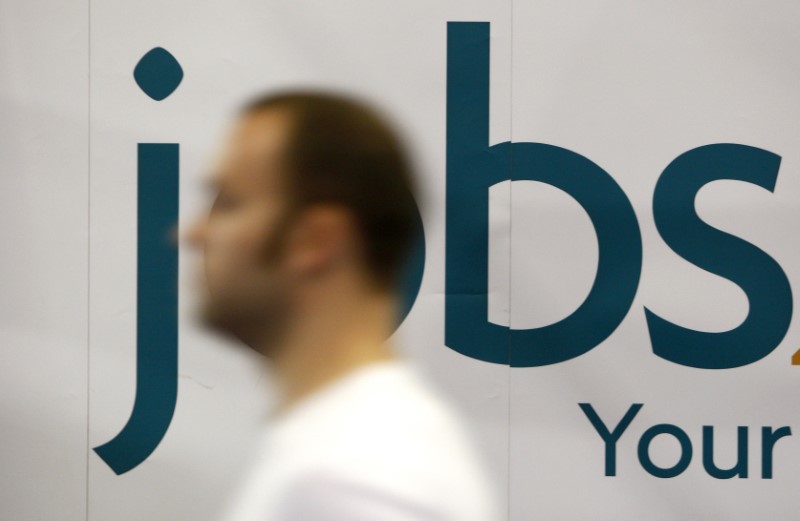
(769, 437)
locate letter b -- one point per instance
(472, 167)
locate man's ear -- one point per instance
(321, 237)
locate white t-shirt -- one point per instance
(378, 444)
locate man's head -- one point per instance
(310, 186)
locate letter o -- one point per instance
(644, 450)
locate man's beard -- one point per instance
(258, 323)
(259, 315)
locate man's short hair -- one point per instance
(343, 151)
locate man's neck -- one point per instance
(325, 346)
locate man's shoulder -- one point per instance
(398, 440)
(402, 428)
(395, 405)
(387, 434)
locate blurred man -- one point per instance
(303, 246)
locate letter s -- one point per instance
(760, 277)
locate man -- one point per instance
(303, 247)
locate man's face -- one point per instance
(241, 235)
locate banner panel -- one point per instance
(609, 200)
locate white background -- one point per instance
(631, 85)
